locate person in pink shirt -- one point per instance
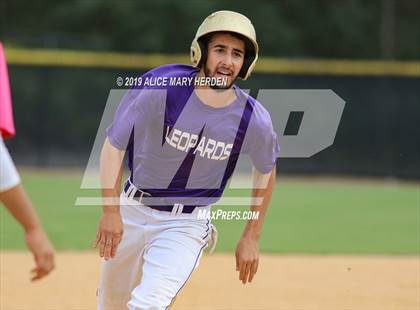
(12, 193)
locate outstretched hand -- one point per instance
(37, 241)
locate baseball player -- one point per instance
(12, 193)
(183, 140)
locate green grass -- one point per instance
(343, 218)
(54, 196)
(304, 217)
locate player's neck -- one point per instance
(216, 98)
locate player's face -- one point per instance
(225, 57)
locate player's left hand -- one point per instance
(247, 255)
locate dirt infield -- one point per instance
(283, 282)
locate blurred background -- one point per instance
(64, 57)
(360, 196)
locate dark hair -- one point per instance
(249, 49)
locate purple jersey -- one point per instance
(180, 147)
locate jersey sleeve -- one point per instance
(134, 112)
(261, 142)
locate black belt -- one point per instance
(139, 194)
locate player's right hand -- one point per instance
(43, 251)
(109, 234)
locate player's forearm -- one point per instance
(111, 175)
(19, 205)
(263, 189)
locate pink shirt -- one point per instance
(7, 127)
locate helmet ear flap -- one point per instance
(195, 53)
(203, 43)
(248, 59)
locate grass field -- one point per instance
(306, 216)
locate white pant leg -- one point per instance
(9, 177)
(121, 274)
(169, 260)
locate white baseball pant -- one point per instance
(157, 255)
(9, 177)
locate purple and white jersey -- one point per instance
(180, 148)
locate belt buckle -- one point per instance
(142, 194)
